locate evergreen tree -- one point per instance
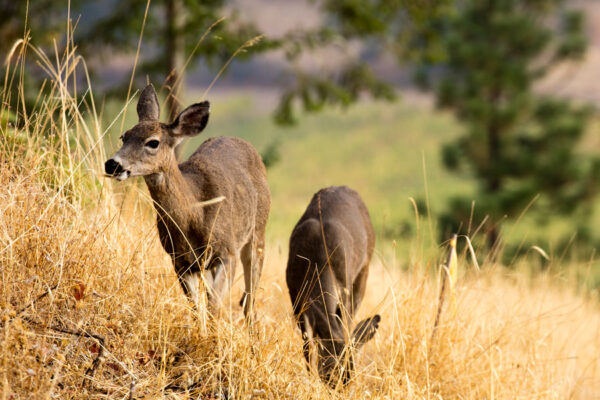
(517, 143)
(482, 59)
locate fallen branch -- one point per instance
(79, 333)
(92, 369)
(41, 296)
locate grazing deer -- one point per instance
(196, 232)
(328, 265)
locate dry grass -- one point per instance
(511, 338)
(78, 260)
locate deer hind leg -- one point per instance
(252, 256)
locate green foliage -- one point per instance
(315, 92)
(272, 153)
(575, 42)
(518, 144)
(379, 25)
(40, 22)
(120, 29)
(379, 150)
(40, 19)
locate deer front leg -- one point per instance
(190, 281)
(218, 280)
(307, 339)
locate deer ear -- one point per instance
(365, 330)
(191, 121)
(147, 107)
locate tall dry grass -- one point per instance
(91, 307)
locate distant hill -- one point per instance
(580, 80)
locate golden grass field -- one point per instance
(91, 308)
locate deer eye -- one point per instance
(153, 144)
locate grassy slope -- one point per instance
(74, 257)
(510, 337)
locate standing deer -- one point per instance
(196, 232)
(328, 265)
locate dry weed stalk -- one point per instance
(448, 278)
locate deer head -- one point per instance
(149, 147)
(333, 352)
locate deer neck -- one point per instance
(172, 194)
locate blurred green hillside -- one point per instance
(379, 149)
(388, 152)
(376, 148)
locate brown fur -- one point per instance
(199, 236)
(328, 265)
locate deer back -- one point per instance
(335, 228)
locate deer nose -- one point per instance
(111, 167)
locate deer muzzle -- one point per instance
(113, 169)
